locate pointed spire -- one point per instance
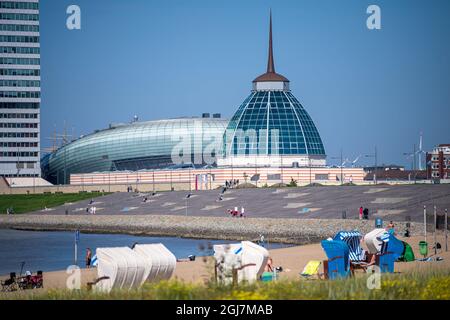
(270, 62)
(270, 75)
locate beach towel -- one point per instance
(311, 269)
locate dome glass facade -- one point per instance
(274, 113)
(137, 146)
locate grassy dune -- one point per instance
(24, 203)
(422, 286)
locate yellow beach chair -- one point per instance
(311, 269)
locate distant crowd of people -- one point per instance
(235, 213)
(231, 183)
(363, 213)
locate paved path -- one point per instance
(389, 202)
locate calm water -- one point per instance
(51, 251)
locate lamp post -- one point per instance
(153, 181)
(341, 158)
(446, 230)
(187, 202)
(310, 173)
(425, 222)
(375, 156)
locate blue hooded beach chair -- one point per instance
(338, 263)
(391, 251)
(395, 246)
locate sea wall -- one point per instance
(294, 231)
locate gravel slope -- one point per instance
(296, 231)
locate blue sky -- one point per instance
(162, 59)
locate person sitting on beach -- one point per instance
(88, 258)
(391, 228)
(269, 265)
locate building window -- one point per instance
(321, 177)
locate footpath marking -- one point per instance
(209, 208)
(296, 205)
(295, 195)
(168, 204)
(375, 190)
(389, 200)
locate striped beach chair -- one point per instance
(94, 261)
(353, 240)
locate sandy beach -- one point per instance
(292, 259)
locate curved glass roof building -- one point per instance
(271, 127)
(138, 146)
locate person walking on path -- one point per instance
(366, 214)
(361, 213)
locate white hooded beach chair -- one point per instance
(247, 258)
(254, 261)
(160, 260)
(122, 268)
(374, 240)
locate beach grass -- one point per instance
(432, 285)
(23, 203)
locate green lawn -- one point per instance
(27, 203)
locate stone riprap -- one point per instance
(295, 231)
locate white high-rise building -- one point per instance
(20, 89)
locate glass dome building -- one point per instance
(271, 127)
(173, 143)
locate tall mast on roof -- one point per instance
(270, 62)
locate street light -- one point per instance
(187, 198)
(374, 155)
(341, 166)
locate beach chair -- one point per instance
(395, 246)
(390, 252)
(338, 263)
(38, 280)
(408, 254)
(10, 284)
(236, 263)
(356, 254)
(311, 269)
